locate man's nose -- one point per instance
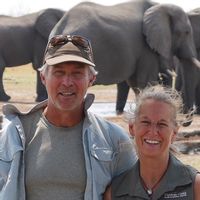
(68, 79)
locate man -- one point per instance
(59, 150)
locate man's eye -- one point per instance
(78, 75)
(145, 123)
(58, 73)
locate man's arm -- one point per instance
(107, 194)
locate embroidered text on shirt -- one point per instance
(175, 195)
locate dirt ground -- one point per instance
(20, 85)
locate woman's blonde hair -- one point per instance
(163, 94)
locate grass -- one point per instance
(22, 78)
(193, 160)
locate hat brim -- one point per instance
(68, 58)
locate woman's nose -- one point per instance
(154, 128)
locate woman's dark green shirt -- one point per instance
(176, 184)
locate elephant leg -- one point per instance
(40, 89)
(122, 94)
(3, 95)
(188, 100)
(189, 85)
(188, 92)
(197, 100)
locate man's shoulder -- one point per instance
(105, 122)
(13, 116)
(11, 109)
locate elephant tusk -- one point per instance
(173, 74)
(196, 62)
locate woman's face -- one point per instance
(154, 128)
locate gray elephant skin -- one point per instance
(23, 40)
(188, 81)
(188, 77)
(132, 41)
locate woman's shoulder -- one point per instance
(185, 168)
(193, 171)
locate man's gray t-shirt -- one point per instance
(55, 165)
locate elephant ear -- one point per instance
(46, 21)
(156, 28)
(194, 17)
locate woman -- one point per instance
(158, 174)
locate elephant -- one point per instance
(189, 89)
(122, 95)
(188, 81)
(23, 40)
(132, 41)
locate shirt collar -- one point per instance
(8, 109)
(175, 175)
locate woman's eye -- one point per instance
(162, 125)
(145, 123)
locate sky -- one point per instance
(20, 7)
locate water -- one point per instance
(106, 109)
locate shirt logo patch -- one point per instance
(175, 195)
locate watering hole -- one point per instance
(107, 109)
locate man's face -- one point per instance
(66, 85)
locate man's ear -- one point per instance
(92, 80)
(42, 78)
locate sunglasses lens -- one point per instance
(58, 40)
(76, 40)
(80, 41)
